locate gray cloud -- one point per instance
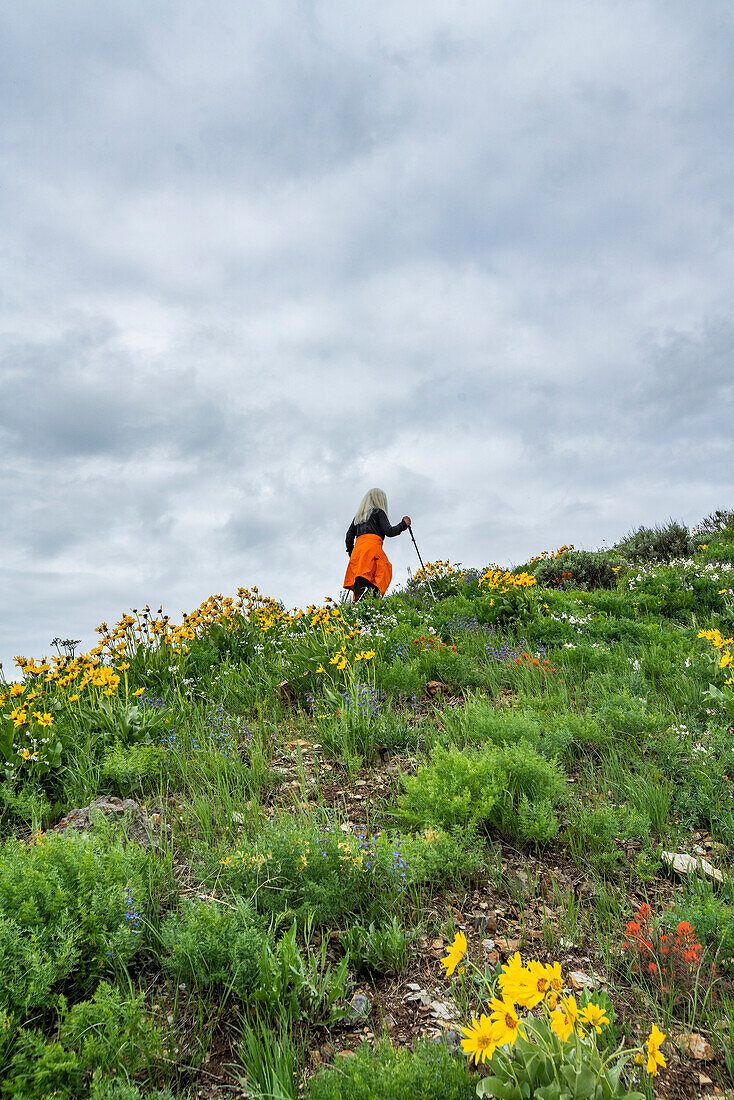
(258, 258)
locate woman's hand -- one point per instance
(406, 519)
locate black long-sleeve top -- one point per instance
(376, 524)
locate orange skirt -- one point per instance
(369, 560)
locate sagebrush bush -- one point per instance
(429, 1072)
(213, 944)
(660, 543)
(716, 525)
(576, 569)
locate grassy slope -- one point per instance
(316, 836)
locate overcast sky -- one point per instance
(259, 257)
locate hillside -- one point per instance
(330, 837)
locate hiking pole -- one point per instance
(420, 559)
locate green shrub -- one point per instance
(511, 786)
(628, 718)
(456, 789)
(676, 591)
(717, 525)
(26, 803)
(70, 907)
(587, 569)
(137, 768)
(295, 869)
(597, 834)
(429, 1072)
(213, 944)
(713, 919)
(401, 677)
(657, 543)
(41, 1069)
(482, 722)
(112, 1031)
(535, 786)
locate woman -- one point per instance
(368, 569)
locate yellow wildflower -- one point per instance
(457, 950)
(16, 690)
(42, 718)
(654, 1057)
(594, 1015)
(505, 1023)
(512, 976)
(479, 1043)
(564, 1018)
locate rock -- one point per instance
(684, 864)
(452, 1039)
(359, 1009)
(704, 1081)
(390, 1022)
(442, 1011)
(435, 687)
(138, 826)
(578, 981)
(695, 1046)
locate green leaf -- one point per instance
(503, 1090)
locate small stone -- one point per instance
(451, 1038)
(578, 981)
(390, 1022)
(359, 1008)
(704, 1081)
(442, 1011)
(695, 1046)
(438, 945)
(169, 1017)
(684, 864)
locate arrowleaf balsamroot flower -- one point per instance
(457, 950)
(654, 1057)
(564, 1019)
(594, 1016)
(479, 1043)
(505, 1023)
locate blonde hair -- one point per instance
(374, 498)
